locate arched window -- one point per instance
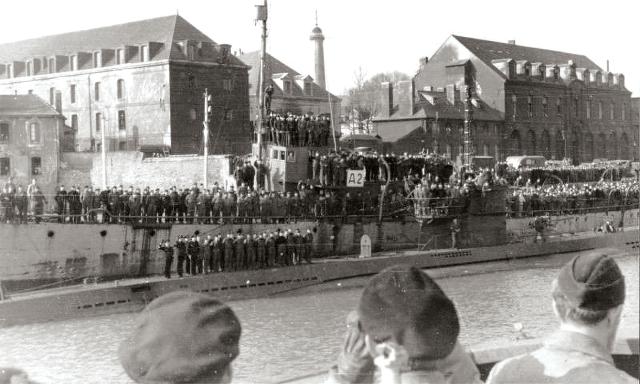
(35, 136)
(531, 138)
(120, 90)
(515, 143)
(612, 114)
(613, 146)
(600, 110)
(560, 143)
(546, 144)
(588, 146)
(602, 146)
(624, 147)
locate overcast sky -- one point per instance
(377, 36)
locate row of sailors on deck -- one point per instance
(225, 253)
(404, 330)
(296, 130)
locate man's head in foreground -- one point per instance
(182, 337)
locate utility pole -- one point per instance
(468, 139)
(208, 109)
(262, 15)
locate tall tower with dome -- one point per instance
(318, 38)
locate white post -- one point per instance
(104, 151)
(205, 134)
(333, 128)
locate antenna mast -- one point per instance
(262, 16)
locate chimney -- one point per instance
(405, 97)
(452, 95)
(512, 42)
(386, 100)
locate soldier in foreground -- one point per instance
(182, 337)
(588, 297)
(406, 329)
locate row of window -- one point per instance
(288, 88)
(96, 92)
(51, 65)
(35, 135)
(5, 166)
(545, 108)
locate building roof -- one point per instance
(167, 30)
(275, 67)
(487, 51)
(431, 105)
(26, 105)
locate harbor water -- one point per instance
(301, 332)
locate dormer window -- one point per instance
(527, 69)
(287, 87)
(191, 52)
(308, 88)
(556, 73)
(542, 71)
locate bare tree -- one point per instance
(365, 94)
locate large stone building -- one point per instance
(293, 92)
(432, 119)
(139, 84)
(551, 103)
(30, 135)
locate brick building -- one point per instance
(141, 83)
(293, 92)
(432, 119)
(554, 104)
(30, 135)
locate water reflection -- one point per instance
(293, 335)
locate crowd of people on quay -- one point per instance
(429, 179)
(583, 173)
(198, 254)
(536, 199)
